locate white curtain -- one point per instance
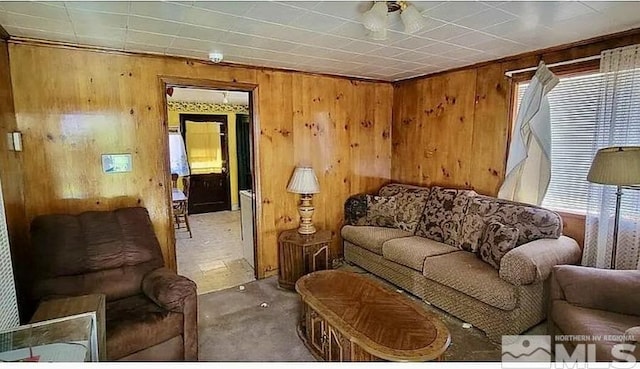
(529, 161)
(178, 155)
(618, 123)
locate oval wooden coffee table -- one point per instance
(350, 317)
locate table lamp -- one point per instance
(304, 182)
(619, 166)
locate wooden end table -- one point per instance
(58, 308)
(300, 254)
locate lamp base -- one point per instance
(306, 210)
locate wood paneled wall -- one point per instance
(452, 128)
(11, 173)
(74, 105)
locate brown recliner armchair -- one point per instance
(151, 312)
(600, 305)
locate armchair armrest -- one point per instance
(167, 289)
(533, 261)
(604, 289)
(355, 210)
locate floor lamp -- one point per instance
(619, 166)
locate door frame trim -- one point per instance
(252, 89)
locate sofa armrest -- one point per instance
(167, 289)
(533, 261)
(603, 289)
(355, 210)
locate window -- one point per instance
(574, 104)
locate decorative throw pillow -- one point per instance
(381, 211)
(496, 240)
(410, 203)
(443, 214)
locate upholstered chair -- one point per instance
(589, 302)
(151, 312)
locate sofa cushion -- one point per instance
(381, 211)
(532, 222)
(136, 323)
(443, 214)
(371, 238)
(410, 202)
(411, 251)
(579, 321)
(497, 240)
(464, 272)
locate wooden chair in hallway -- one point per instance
(180, 206)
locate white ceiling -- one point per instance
(321, 36)
(208, 96)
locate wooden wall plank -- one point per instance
(11, 177)
(74, 105)
(574, 226)
(490, 129)
(276, 147)
(406, 101)
(433, 137)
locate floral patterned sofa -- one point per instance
(482, 259)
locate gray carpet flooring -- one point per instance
(258, 323)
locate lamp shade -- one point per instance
(412, 19)
(303, 181)
(618, 165)
(375, 19)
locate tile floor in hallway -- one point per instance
(213, 257)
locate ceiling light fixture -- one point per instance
(375, 19)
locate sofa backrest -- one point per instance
(532, 222)
(410, 203)
(443, 214)
(96, 251)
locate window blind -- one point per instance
(574, 104)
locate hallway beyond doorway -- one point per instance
(213, 258)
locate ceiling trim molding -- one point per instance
(574, 50)
(64, 45)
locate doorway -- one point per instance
(206, 142)
(211, 151)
